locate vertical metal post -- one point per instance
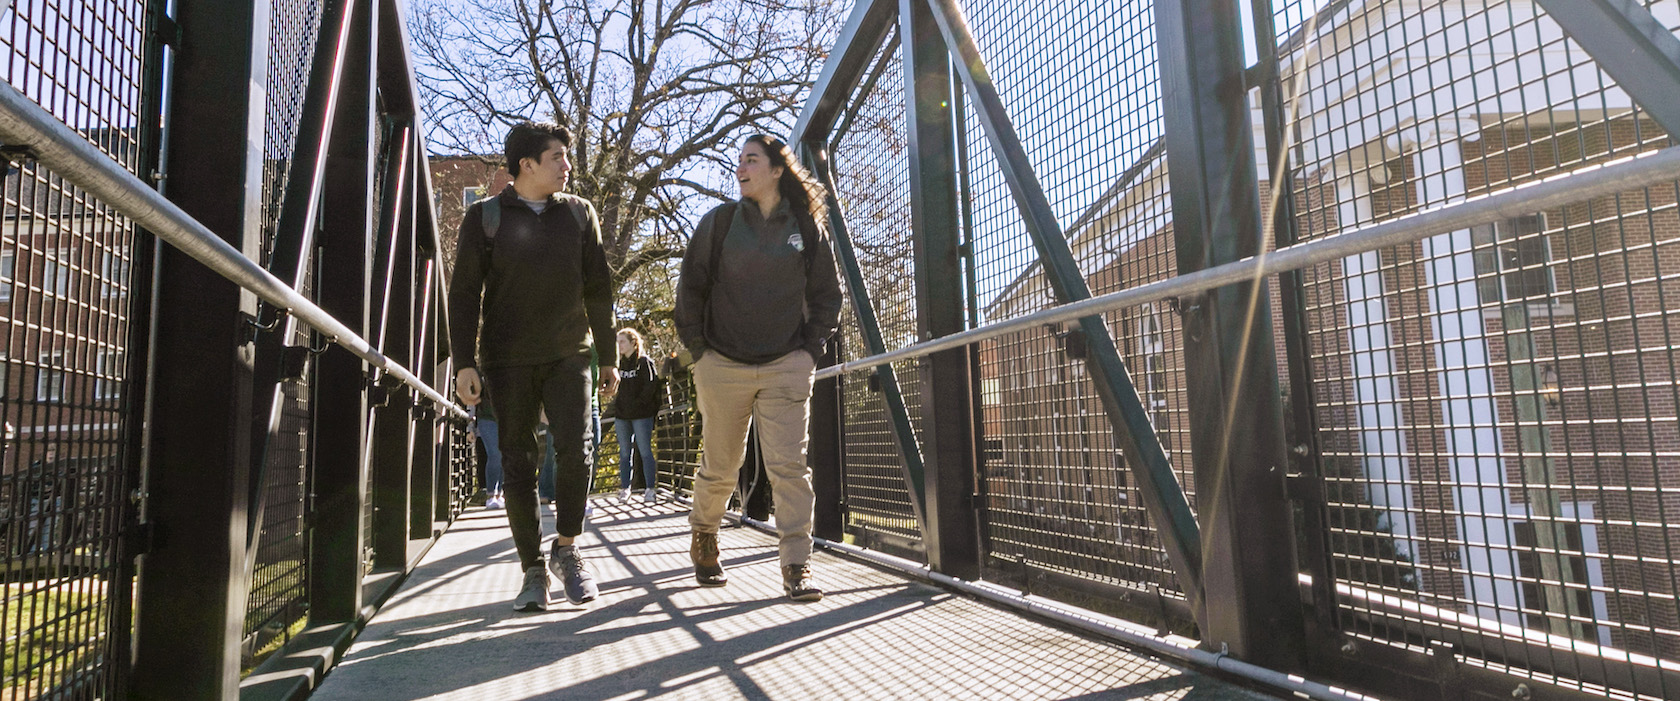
(192, 582)
(1252, 599)
(826, 455)
(410, 303)
(947, 408)
(393, 425)
(1306, 468)
(140, 337)
(340, 399)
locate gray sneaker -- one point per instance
(573, 572)
(533, 595)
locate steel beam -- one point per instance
(192, 586)
(393, 426)
(869, 328)
(1304, 454)
(951, 537)
(1252, 603)
(853, 51)
(140, 337)
(1632, 47)
(828, 450)
(340, 400)
(1157, 484)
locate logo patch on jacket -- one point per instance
(797, 242)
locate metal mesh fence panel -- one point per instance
(463, 466)
(676, 435)
(1085, 102)
(279, 584)
(64, 303)
(871, 167)
(1497, 405)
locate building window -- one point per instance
(57, 278)
(113, 272)
(107, 383)
(1152, 353)
(8, 263)
(1513, 261)
(49, 379)
(5, 376)
(1577, 601)
(473, 194)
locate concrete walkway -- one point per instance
(451, 633)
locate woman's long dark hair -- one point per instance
(796, 185)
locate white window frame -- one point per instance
(1152, 358)
(8, 273)
(107, 383)
(49, 377)
(113, 270)
(58, 267)
(1488, 240)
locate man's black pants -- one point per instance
(519, 394)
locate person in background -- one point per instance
(484, 426)
(634, 408)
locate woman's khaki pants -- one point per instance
(777, 397)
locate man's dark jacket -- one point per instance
(541, 286)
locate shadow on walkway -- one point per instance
(451, 633)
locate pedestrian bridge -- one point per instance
(1212, 349)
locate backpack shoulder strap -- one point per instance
(580, 211)
(490, 213)
(722, 217)
(813, 235)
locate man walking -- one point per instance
(529, 264)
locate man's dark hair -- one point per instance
(530, 140)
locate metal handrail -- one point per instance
(57, 146)
(1631, 173)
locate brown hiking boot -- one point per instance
(796, 581)
(704, 551)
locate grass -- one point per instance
(47, 634)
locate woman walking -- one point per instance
(758, 299)
(634, 410)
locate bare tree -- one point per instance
(657, 94)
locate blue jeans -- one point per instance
(492, 456)
(642, 431)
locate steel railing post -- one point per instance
(192, 585)
(1251, 600)
(952, 542)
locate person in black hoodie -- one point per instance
(758, 299)
(633, 412)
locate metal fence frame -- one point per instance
(270, 340)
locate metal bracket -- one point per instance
(13, 154)
(1304, 488)
(1073, 343)
(140, 539)
(250, 327)
(167, 31)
